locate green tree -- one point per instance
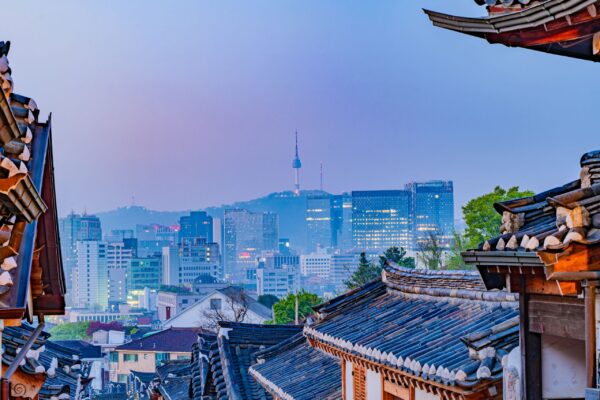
(268, 300)
(454, 259)
(70, 331)
(431, 252)
(482, 220)
(397, 256)
(365, 273)
(285, 309)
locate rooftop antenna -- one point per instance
(321, 176)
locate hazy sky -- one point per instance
(186, 104)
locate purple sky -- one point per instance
(188, 104)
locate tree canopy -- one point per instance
(268, 300)
(482, 220)
(285, 309)
(70, 331)
(396, 255)
(365, 273)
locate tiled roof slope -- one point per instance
(172, 340)
(422, 331)
(207, 376)
(83, 348)
(220, 363)
(293, 370)
(238, 344)
(555, 218)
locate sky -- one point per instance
(180, 105)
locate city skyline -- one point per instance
(384, 90)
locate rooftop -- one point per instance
(422, 323)
(283, 369)
(172, 340)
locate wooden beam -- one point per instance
(531, 350)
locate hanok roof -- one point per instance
(81, 347)
(540, 229)
(284, 370)
(28, 219)
(175, 388)
(563, 27)
(178, 340)
(417, 323)
(65, 374)
(229, 357)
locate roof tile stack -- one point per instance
(553, 219)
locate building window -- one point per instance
(162, 358)
(122, 378)
(215, 304)
(130, 357)
(113, 356)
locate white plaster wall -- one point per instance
(421, 395)
(200, 314)
(563, 368)
(374, 388)
(349, 381)
(512, 375)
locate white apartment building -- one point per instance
(91, 275)
(117, 258)
(316, 264)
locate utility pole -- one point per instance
(296, 313)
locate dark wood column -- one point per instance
(590, 332)
(531, 349)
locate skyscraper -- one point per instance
(432, 211)
(381, 219)
(341, 221)
(74, 228)
(319, 221)
(296, 165)
(196, 225)
(246, 234)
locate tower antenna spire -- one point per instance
(296, 165)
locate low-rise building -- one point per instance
(146, 354)
(231, 303)
(172, 303)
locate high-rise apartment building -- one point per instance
(432, 211)
(196, 225)
(142, 273)
(91, 275)
(319, 221)
(246, 234)
(74, 228)
(118, 256)
(381, 219)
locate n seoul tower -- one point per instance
(296, 165)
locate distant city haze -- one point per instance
(189, 104)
